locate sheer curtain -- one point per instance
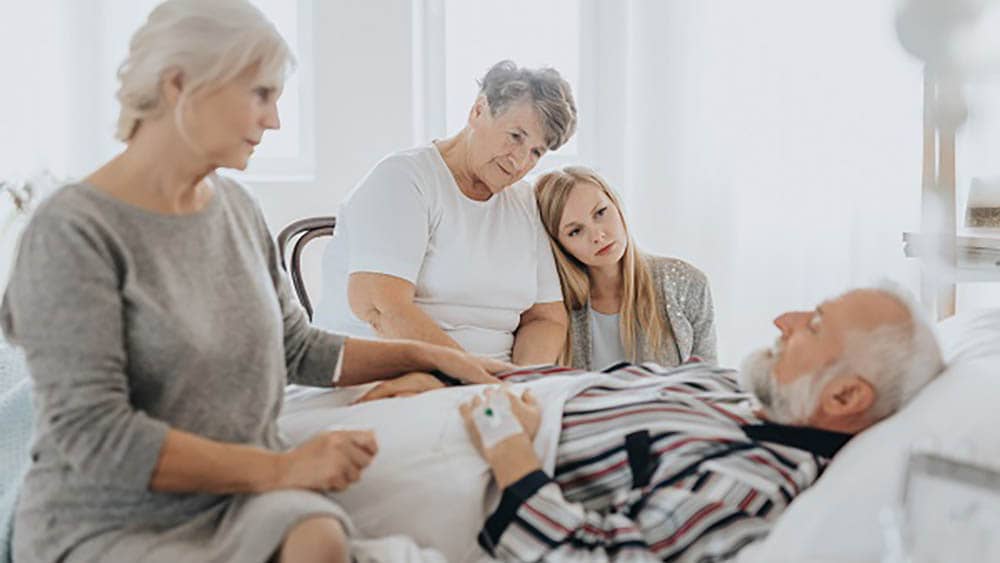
(774, 144)
(46, 48)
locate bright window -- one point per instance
(285, 153)
(285, 142)
(478, 34)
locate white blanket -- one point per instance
(427, 481)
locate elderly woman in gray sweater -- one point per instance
(160, 331)
(623, 305)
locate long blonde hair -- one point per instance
(639, 307)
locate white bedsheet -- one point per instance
(426, 463)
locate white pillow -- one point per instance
(837, 520)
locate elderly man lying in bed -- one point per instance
(640, 463)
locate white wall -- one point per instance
(364, 111)
(730, 131)
(363, 97)
(364, 107)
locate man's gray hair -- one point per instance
(506, 84)
(897, 359)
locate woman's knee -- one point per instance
(317, 539)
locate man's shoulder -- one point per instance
(695, 377)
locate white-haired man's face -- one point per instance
(797, 380)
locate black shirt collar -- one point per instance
(824, 443)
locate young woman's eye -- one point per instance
(602, 211)
(573, 232)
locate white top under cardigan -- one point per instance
(683, 294)
(606, 341)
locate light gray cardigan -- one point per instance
(682, 292)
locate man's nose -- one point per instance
(788, 322)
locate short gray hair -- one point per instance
(210, 42)
(898, 360)
(506, 84)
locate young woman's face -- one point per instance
(591, 228)
(225, 124)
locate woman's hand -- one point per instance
(327, 461)
(402, 386)
(467, 367)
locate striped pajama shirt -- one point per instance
(657, 465)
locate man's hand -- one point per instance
(512, 457)
(407, 385)
(525, 409)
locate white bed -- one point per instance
(837, 520)
(439, 495)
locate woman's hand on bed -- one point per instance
(467, 367)
(327, 461)
(407, 385)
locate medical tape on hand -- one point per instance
(495, 420)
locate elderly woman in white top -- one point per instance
(442, 243)
(160, 332)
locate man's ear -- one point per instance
(171, 86)
(847, 396)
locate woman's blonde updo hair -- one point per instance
(639, 302)
(209, 41)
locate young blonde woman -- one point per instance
(623, 304)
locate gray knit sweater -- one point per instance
(684, 296)
(133, 322)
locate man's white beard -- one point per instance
(791, 403)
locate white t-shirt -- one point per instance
(476, 265)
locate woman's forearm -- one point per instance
(408, 321)
(538, 342)
(373, 360)
(192, 464)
